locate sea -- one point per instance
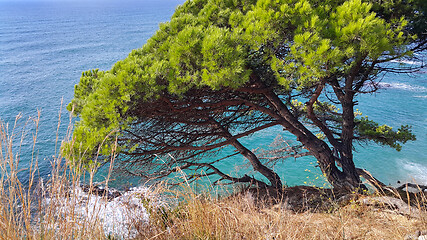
(46, 45)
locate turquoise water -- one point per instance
(44, 47)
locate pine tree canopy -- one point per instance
(221, 70)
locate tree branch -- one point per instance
(312, 116)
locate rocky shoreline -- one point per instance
(120, 212)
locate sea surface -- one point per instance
(45, 46)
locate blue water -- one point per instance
(44, 47)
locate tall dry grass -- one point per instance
(33, 208)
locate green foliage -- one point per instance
(322, 37)
(88, 83)
(415, 12)
(383, 134)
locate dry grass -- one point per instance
(24, 214)
(243, 217)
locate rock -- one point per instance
(101, 192)
(417, 235)
(395, 204)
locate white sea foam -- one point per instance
(414, 171)
(408, 62)
(403, 86)
(118, 216)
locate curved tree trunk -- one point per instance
(347, 179)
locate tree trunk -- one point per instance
(319, 149)
(347, 134)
